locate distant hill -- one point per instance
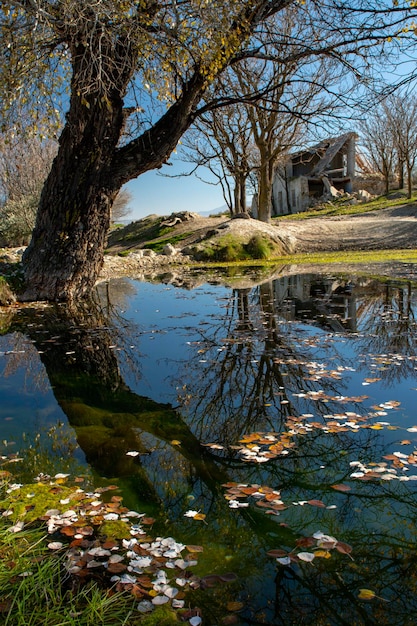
(218, 211)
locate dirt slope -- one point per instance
(392, 228)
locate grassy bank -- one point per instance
(341, 207)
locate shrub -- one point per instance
(259, 247)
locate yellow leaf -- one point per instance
(324, 554)
(176, 442)
(200, 516)
(366, 594)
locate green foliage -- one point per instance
(231, 249)
(259, 247)
(6, 294)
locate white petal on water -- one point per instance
(145, 606)
(158, 600)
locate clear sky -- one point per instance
(154, 193)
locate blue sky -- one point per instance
(154, 193)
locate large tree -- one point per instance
(114, 52)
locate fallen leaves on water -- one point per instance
(195, 515)
(115, 551)
(318, 545)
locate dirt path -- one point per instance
(394, 228)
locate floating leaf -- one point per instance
(366, 594)
(341, 487)
(317, 503)
(276, 553)
(158, 600)
(323, 554)
(306, 556)
(343, 548)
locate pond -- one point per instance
(272, 422)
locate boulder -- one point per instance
(169, 250)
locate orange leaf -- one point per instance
(341, 487)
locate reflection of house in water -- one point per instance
(311, 174)
(327, 300)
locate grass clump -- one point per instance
(260, 247)
(6, 294)
(230, 249)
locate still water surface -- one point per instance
(302, 389)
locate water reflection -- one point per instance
(261, 359)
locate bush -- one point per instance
(6, 294)
(259, 247)
(17, 219)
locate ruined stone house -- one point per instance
(313, 173)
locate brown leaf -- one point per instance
(228, 578)
(341, 487)
(145, 582)
(343, 548)
(192, 548)
(306, 542)
(116, 568)
(318, 503)
(276, 553)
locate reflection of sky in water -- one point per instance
(235, 363)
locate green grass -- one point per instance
(339, 207)
(230, 248)
(34, 591)
(158, 246)
(372, 256)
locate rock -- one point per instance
(364, 196)
(148, 252)
(169, 250)
(335, 193)
(241, 216)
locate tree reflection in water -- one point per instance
(258, 357)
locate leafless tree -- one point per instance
(401, 111)
(378, 139)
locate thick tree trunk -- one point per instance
(66, 252)
(65, 255)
